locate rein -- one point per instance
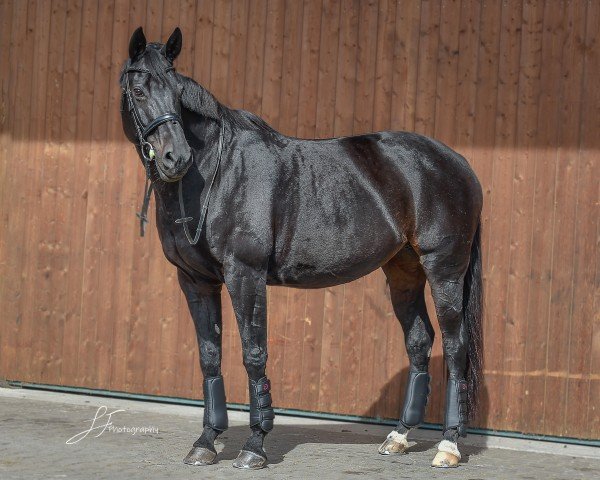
(184, 220)
(149, 155)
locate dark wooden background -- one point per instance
(512, 85)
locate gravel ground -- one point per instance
(35, 425)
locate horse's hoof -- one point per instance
(200, 456)
(447, 456)
(394, 443)
(445, 460)
(249, 460)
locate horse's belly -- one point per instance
(324, 254)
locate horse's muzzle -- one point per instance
(172, 171)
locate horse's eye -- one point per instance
(138, 92)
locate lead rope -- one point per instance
(143, 213)
(184, 219)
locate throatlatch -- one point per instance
(215, 406)
(415, 399)
(261, 411)
(456, 407)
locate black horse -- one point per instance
(242, 205)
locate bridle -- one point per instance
(142, 132)
(148, 154)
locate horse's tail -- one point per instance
(473, 316)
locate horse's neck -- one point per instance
(199, 173)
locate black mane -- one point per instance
(195, 97)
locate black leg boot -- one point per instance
(455, 424)
(215, 422)
(413, 412)
(262, 415)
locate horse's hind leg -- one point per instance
(445, 269)
(407, 282)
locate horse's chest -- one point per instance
(179, 251)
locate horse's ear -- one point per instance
(137, 44)
(173, 46)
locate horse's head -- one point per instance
(151, 107)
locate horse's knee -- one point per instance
(210, 359)
(419, 342)
(255, 360)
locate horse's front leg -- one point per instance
(247, 288)
(204, 301)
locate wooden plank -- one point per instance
(81, 159)
(67, 182)
(585, 325)
(543, 223)
(105, 294)
(466, 87)
(522, 210)
(503, 160)
(346, 68)
(46, 325)
(90, 315)
(447, 72)
(565, 209)
(255, 53)
(6, 24)
(326, 84)
(406, 56)
(13, 200)
(427, 68)
(289, 111)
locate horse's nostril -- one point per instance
(169, 157)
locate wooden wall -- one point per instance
(513, 85)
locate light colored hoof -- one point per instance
(445, 460)
(395, 443)
(249, 461)
(200, 456)
(448, 455)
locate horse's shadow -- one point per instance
(286, 436)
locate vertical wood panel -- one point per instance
(503, 159)
(510, 85)
(585, 334)
(522, 214)
(538, 333)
